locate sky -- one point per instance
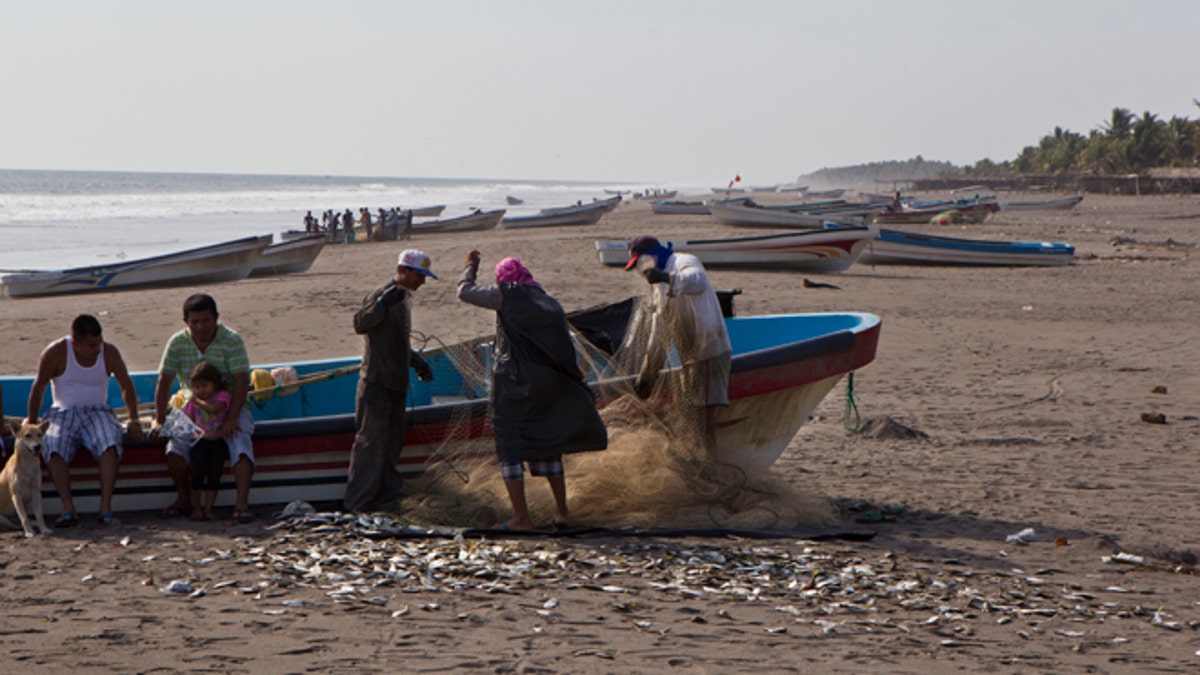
(689, 92)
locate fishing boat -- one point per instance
(782, 367)
(513, 201)
(479, 220)
(819, 251)
(679, 207)
(746, 215)
(965, 213)
(289, 256)
(427, 211)
(1061, 204)
(228, 261)
(587, 214)
(914, 248)
(608, 203)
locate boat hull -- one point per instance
(473, 222)
(228, 261)
(819, 251)
(912, 248)
(289, 257)
(582, 215)
(782, 367)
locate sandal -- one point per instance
(67, 519)
(172, 512)
(109, 520)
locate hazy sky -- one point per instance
(688, 92)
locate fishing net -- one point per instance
(658, 470)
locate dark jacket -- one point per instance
(386, 356)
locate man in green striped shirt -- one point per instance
(206, 339)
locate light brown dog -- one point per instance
(21, 479)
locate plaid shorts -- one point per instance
(94, 427)
(537, 467)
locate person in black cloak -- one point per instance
(541, 406)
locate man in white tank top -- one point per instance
(77, 368)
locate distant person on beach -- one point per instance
(385, 320)
(348, 226)
(334, 217)
(694, 323)
(365, 220)
(406, 233)
(205, 338)
(541, 406)
(207, 408)
(77, 368)
(310, 223)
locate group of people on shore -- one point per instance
(387, 225)
(207, 359)
(541, 406)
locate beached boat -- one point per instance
(289, 256)
(819, 251)
(965, 213)
(679, 207)
(782, 367)
(914, 248)
(588, 214)
(608, 203)
(479, 220)
(427, 211)
(743, 215)
(228, 261)
(1061, 204)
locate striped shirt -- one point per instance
(227, 352)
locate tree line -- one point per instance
(1124, 144)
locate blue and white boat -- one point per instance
(782, 367)
(915, 248)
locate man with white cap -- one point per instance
(385, 319)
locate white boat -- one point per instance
(427, 211)
(810, 251)
(589, 214)
(289, 256)
(1061, 204)
(742, 215)
(479, 220)
(608, 203)
(228, 261)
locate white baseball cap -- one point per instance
(417, 260)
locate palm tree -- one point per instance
(1120, 125)
(1149, 144)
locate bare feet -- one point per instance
(199, 515)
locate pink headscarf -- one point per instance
(511, 271)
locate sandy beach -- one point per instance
(1024, 390)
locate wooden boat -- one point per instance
(479, 220)
(588, 214)
(968, 213)
(289, 256)
(228, 261)
(782, 367)
(809, 251)
(743, 215)
(826, 194)
(608, 203)
(914, 248)
(513, 201)
(1062, 204)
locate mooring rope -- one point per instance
(850, 417)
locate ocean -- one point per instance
(57, 219)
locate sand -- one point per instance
(1028, 386)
